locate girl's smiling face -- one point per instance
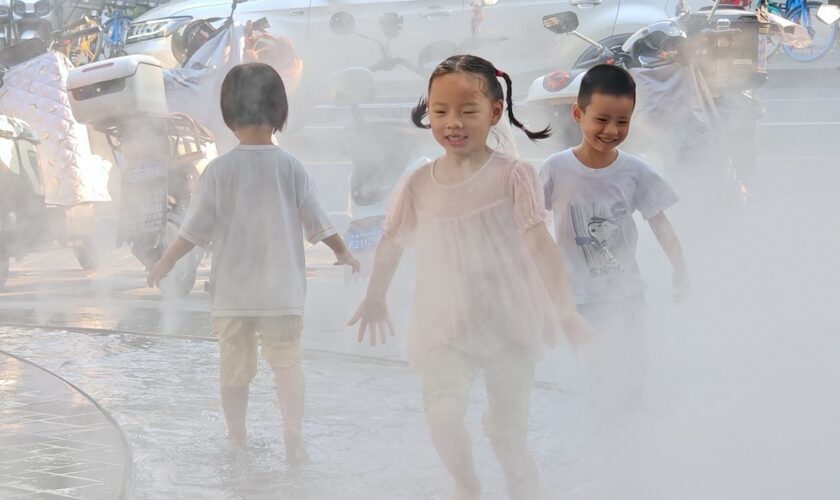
(461, 113)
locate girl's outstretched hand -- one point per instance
(372, 316)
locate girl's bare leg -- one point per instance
(290, 392)
(521, 472)
(235, 405)
(509, 384)
(449, 434)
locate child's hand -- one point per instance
(373, 314)
(346, 258)
(158, 272)
(578, 331)
(682, 285)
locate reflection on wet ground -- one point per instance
(365, 426)
(55, 442)
(136, 319)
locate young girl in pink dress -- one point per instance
(488, 274)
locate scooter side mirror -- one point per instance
(342, 23)
(391, 24)
(829, 14)
(561, 23)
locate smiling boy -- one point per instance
(593, 190)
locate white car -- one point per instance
(422, 32)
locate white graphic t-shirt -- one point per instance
(593, 219)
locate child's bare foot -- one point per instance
(237, 441)
(296, 455)
(467, 492)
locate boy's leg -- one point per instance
(509, 379)
(238, 366)
(280, 338)
(447, 376)
(617, 362)
(617, 369)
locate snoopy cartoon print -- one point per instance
(598, 234)
(604, 233)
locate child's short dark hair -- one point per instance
(605, 79)
(254, 94)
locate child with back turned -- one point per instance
(488, 275)
(594, 190)
(254, 204)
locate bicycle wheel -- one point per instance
(773, 43)
(822, 36)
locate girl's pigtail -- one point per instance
(534, 136)
(419, 112)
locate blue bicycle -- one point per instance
(823, 36)
(115, 24)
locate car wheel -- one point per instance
(181, 279)
(87, 254)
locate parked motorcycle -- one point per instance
(378, 165)
(27, 223)
(716, 57)
(160, 156)
(5, 23)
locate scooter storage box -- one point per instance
(117, 89)
(729, 60)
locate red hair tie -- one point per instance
(500, 73)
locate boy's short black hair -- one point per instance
(254, 94)
(605, 79)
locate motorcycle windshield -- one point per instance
(21, 159)
(29, 166)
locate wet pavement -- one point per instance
(365, 424)
(364, 427)
(55, 442)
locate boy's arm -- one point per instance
(373, 311)
(176, 250)
(670, 243)
(553, 272)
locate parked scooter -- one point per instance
(159, 155)
(5, 23)
(33, 19)
(27, 223)
(378, 165)
(716, 57)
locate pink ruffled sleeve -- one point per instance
(528, 198)
(401, 219)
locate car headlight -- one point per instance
(20, 8)
(155, 28)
